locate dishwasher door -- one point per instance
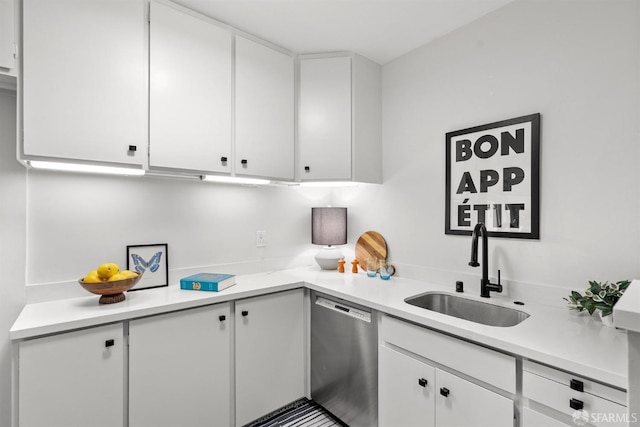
(344, 360)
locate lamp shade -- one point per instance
(329, 226)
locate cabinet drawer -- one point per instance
(482, 363)
(531, 418)
(561, 391)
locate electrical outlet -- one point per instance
(261, 239)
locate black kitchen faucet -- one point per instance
(485, 285)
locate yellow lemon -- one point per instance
(92, 277)
(128, 274)
(117, 276)
(106, 270)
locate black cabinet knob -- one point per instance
(444, 391)
(222, 318)
(576, 385)
(133, 148)
(422, 382)
(109, 343)
(245, 313)
(307, 169)
(223, 159)
(576, 404)
(244, 162)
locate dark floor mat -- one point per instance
(301, 413)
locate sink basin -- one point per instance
(468, 309)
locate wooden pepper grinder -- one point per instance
(354, 266)
(341, 266)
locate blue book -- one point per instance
(208, 282)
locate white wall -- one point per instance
(575, 62)
(12, 244)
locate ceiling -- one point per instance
(381, 30)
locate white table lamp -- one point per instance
(329, 228)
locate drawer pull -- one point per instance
(109, 343)
(444, 391)
(245, 313)
(422, 382)
(576, 404)
(222, 318)
(576, 385)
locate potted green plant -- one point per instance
(599, 296)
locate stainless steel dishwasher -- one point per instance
(344, 360)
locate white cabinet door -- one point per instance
(85, 80)
(7, 36)
(264, 111)
(73, 379)
(405, 392)
(325, 119)
(190, 92)
(269, 353)
(180, 368)
(460, 403)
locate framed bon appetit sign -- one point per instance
(493, 177)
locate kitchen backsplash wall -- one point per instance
(576, 63)
(76, 222)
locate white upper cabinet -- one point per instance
(325, 118)
(85, 80)
(264, 111)
(190, 92)
(339, 136)
(7, 36)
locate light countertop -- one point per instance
(571, 341)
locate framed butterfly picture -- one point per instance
(152, 260)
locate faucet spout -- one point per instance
(485, 285)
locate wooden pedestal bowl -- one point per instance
(111, 292)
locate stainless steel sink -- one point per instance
(468, 309)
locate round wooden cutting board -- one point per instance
(370, 245)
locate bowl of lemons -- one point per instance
(110, 282)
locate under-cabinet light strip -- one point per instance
(77, 167)
(235, 180)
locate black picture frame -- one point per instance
(153, 261)
(493, 176)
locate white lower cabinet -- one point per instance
(269, 353)
(73, 379)
(461, 403)
(406, 390)
(415, 394)
(180, 368)
(569, 398)
(430, 379)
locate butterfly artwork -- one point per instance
(140, 265)
(153, 261)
